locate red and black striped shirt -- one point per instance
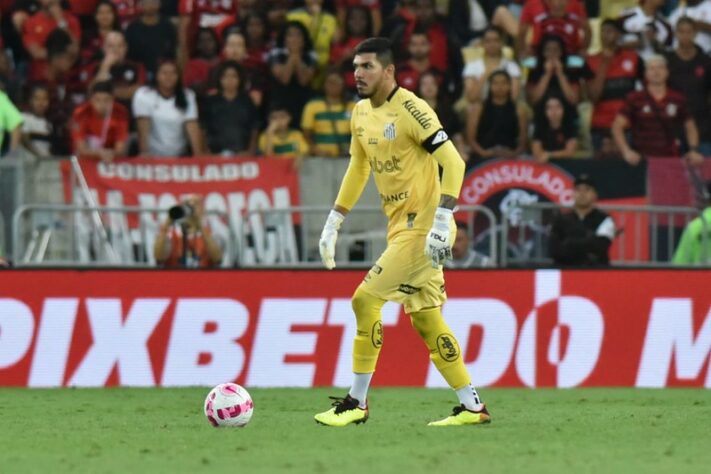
(656, 125)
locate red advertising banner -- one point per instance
(232, 187)
(281, 328)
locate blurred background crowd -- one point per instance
(545, 78)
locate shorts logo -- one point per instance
(389, 131)
(407, 289)
(448, 347)
(376, 335)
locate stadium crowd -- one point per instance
(544, 78)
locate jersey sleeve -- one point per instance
(426, 129)
(357, 173)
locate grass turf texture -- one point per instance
(164, 430)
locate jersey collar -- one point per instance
(392, 93)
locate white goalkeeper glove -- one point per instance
(327, 244)
(437, 245)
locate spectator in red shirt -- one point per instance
(185, 240)
(371, 7)
(655, 117)
(125, 75)
(100, 126)
(569, 26)
(126, 10)
(690, 74)
(445, 53)
(554, 74)
(257, 38)
(105, 20)
(197, 72)
(195, 14)
(533, 9)
(615, 71)
(38, 27)
(408, 74)
(358, 26)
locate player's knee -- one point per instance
(365, 304)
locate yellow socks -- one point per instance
(369, 333)
(443, 346)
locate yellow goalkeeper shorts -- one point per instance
(404, 274)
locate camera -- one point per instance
(180, 211)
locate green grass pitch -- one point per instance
(164, 430)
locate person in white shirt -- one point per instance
(700, 12)
(36, 129)
(646, 29)
(476, 73)
(167, 116)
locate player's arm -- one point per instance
(438, 244)
(352, 187)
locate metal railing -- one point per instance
(360, 243)
(65, 235)
(646, 235)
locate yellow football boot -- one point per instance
(344, 412)
(461, 416)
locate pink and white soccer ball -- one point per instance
(228, 404)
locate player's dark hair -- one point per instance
(101, 86)
(381, 47)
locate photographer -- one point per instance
(183, 241)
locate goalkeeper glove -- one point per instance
(437, 245)
(327, 244)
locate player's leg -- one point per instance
(366, 348)
(447, 358)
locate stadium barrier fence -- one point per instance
(646, 235)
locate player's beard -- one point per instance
(364, 93)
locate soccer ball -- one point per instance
(228, 404)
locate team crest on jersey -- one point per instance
(389, 131)
(671, 110)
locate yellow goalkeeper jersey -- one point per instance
(395, 142)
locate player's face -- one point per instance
(369, 74)
(584, 196)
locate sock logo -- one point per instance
(376, 335)
(448, 347)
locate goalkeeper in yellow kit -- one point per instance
(398, 137)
